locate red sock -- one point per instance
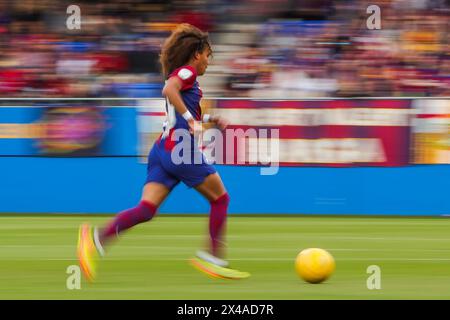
(144, 211)
(217, 220)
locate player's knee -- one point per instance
(223, 200)
(148, 210)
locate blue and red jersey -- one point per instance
(191, 94)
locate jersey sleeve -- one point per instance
(187, 75)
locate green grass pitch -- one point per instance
(150, 261)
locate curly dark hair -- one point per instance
(179, 48)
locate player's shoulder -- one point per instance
(185, 73)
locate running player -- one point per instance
(184, 56)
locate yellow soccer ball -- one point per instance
(314, 265)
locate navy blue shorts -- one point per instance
(161, 169)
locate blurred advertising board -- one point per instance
(151, 115)
(70, 131)
(67, 130)
(431, 132)
(329, 132)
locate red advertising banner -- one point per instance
(322, 133)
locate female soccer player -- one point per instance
(184, 56)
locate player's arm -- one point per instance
(171, 90)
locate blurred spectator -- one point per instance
(248, 71)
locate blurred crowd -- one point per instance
(262, 49)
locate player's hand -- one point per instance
(220, 122)
(195, 127)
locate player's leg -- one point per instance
(91, 242)
(153, 195)
(212, 262)
(214, 191)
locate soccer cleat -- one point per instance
(206, 256)
(87, 252)
(216, 271)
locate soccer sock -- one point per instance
(144, 211)
(217, 220)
